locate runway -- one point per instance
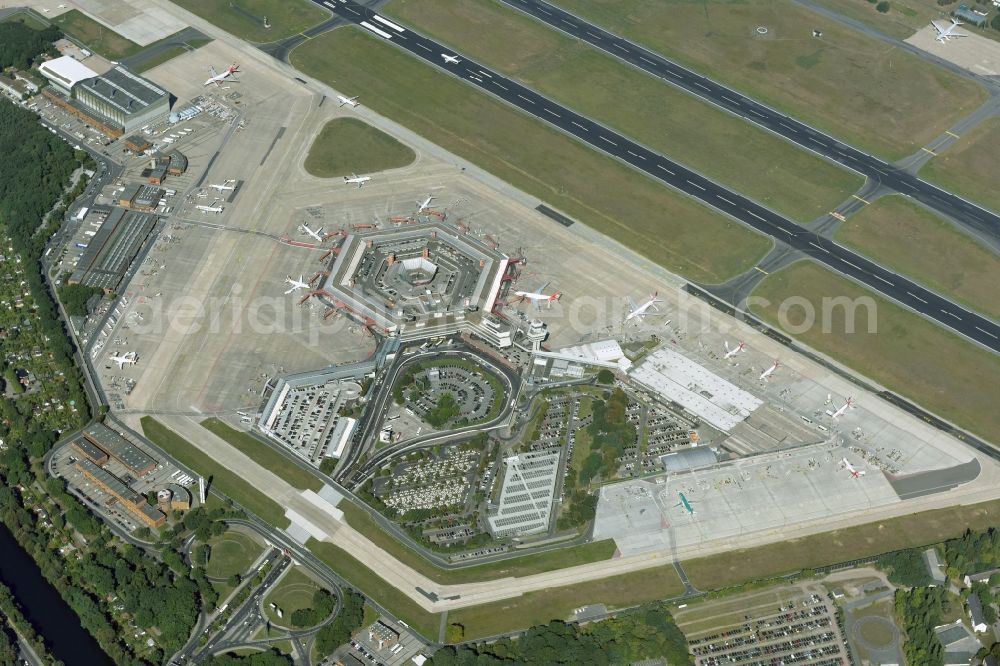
(850, 264)
(973, 217)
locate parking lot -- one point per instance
(799, 631)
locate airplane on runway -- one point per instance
(735, 350)
(946, 33)
(450, 59)
(537, 296)
(224, 186)
(843, 410)
(685, 503)
(210, 209)
(355, 178)
(422, 205)
(856, 473)
(642, 310)
(318, 234)
(296, 284)
(770, 371)
(127, 357)
(353, 101)
(219, 79)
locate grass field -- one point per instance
(294, 591)
(898, 233)
(245, 18)
(715, 615)
(967, 167)
(872, 95)
(348, 145)
(908, 354)
(375, 588)
(558, 602)
(360, 520)
(27, 19)
(666, 227)
(765, 167)
(232, 553)
(102, 41)
(917, 529)
(169, 54)
(265, 456)
(905, 17)
(228, 483)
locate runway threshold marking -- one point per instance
(758, 268)
(864, 201)
(927, 150)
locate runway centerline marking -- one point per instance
(604, 138)
(693, 184)
(525, 98)
(910, 293)
(553, 113)
(660, 166)
(986, 332)
(580, 126)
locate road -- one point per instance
(898, 288)
(975, 218)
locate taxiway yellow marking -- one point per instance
(864, 201)
(927, 150)
(758, 268)
(952, 134)
(837, 215)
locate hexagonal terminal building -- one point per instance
(419, 281)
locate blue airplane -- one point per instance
(685, 503)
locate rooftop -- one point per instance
(66, 71)
(124, 90)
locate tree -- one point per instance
(882, 7)
(605, 376)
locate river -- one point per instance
(44, 608)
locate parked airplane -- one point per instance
(318, 234)
(422, 205)
(642, 310)
(770, 371)
(856, 473)
(353, 101)
(218, 79)
(355, 178)
(296, 284)
(210, 209)
(843, 410)
(450, 59)
(537, 296)
(225, 186)
(127, 357)
(685, 503)
(946, 32)
(735, 350)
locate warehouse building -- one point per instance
(134, 502)
(113, 248)
(119, 448)
(141, 197)
(117, 102)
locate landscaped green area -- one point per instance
(348, 145)
(967, 168)
(294, 592)
(245, 18)
(264, 455)
(232, 553)
(374, 587)
(921, 244)
(874, 96)
(526, 565)
(906, 353)
(765, 167)
(219, 476)
(665, 227)
(559, 602)
(917, 529)
(99, 39)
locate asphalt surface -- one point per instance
(850, 264)
(975, 218)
